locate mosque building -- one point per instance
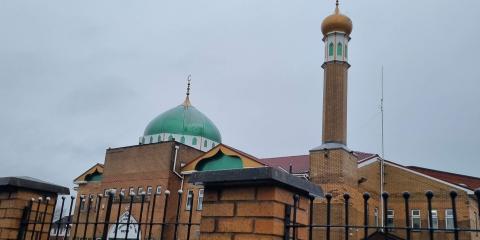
(183, 140)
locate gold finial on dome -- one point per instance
(337, 22)
(187, 103)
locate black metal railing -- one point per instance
(386, 231)
(68, 224)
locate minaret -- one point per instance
(332, 165)
(336, 30)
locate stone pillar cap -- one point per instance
(33, 184)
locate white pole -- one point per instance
(382, 169)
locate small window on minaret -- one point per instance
(339, 49)
(182, 139)
(330, 49)
(205, 143)
(346, 51)
(194, 141)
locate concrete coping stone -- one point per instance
(254, 177)
(32, 184)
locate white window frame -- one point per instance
(158, 190)
(131, 191)
(434, 218)
(149, 190)
(449, 217)
(417, 216)
(391, 214)
(200, 199)
(140, 190)
(187, 203)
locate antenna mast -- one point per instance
(382, 165)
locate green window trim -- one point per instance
(330, 49)
(339, 49)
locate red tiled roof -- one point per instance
(301, 163)
(453, 178)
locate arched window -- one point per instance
(182, 139)
(151, 139)
(159, 138)
(213, 145)
(339, 49)
(170, 138)
(205, 143)
(143, 140)
(194, 141)
(346, 51)
(330, 49)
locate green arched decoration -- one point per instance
(339, 49)
(194, 141)
(330, 49)
(94, 177)
(219, 161)
(182, 139)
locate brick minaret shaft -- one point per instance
(332, 165)
(335, 102)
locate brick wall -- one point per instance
(241, 213)
(12, 205)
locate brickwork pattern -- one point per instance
(239, 213)
(12, 205)
(335, 102)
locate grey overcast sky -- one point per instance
(78, 77)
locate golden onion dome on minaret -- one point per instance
(337, 22)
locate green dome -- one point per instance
(184, 119)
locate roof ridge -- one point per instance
(303, 155)
(440, 171)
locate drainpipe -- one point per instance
(175, 165)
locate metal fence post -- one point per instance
(24, 222)
(44, 216)
(142, 194)
(385, 210)
(310, 220)
(98, 204)
(180, 192)
(346, 197)
(164, 218)
(132, 197)
(190, 216)
(406, 197)
(296, 199)
(366, 197)
(329, 202)
(69, 220)
(107, 215)
(36, 217)
(60, 218)
(286, 222)
(27, 220)
(120, 197)
(429, 195)
(90, 200)
(82, 199)
(453, 196)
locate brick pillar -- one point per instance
(15, 196)
(250, 203)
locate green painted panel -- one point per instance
(94, 177)
(219, 161)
